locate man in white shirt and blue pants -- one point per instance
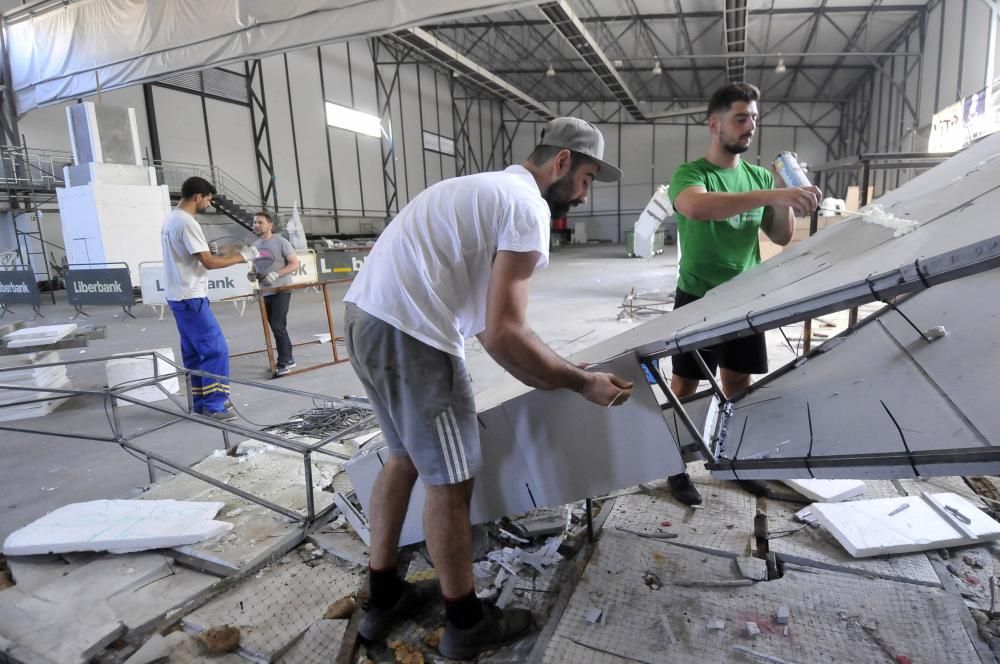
(456, 262)
(186, 262)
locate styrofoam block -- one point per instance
(864, 527)
(38, 336)
(118, 526)
(827, 491)
(124, 370)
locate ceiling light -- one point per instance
(618, 64)
(657, 69)
(550, 72)
(780, 69)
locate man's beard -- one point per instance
(734, 147)
(558, 197)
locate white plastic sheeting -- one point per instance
(62, 52)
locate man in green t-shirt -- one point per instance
(721, 202)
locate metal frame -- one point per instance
(269, 346)
(183, 411)
(261, 132)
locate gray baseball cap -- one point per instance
(580, 136)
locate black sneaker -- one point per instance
(758, 488)
(684, 489)
(377, 623)
(282, 370)
(291, 364)
(497, 628)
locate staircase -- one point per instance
(227, 206)
(232, 200)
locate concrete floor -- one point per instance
(574, 303)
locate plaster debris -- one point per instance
(593, 615)
(716, 624)
(877, 214)
(752, 630)
(752, 568)
(827, 491)
(782, 615)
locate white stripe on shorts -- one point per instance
(444, 437)
(463, 465)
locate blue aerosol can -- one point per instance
(791, 173)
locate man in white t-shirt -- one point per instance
(186, 262)
(456, 262)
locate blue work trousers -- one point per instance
(203, 348)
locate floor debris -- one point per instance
(342, 608)
(221, 639)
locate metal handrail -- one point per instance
(173, 174)
(31, 167)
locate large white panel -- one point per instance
(975, 48)
(231, 133)
(668, 151)
(279, 113)
(45, 128)
(345, 145)
(181, 126)
(310, 128)
(636, 162)
(410, 131)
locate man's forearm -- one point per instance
(213, 262)
(778, 224)
(530, 360)
(708, 206)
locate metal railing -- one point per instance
(30, 168)
(173, 174)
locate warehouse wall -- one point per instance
(954, 64)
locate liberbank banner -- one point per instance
(19, 287)
(99, 286)
(223, 284)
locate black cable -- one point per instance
(892, 305)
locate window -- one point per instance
(436, 143)
(356, 121)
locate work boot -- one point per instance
(497, 628)
(758, 488)
(226, 415)
(684, 489)
(377, 623)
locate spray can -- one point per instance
(791, 173)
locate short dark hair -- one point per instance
(543, 153)
(723, 98)
(196, 185)
(266, 215)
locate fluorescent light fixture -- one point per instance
(348, 118)
(550, 72)
(657, 69)
(780, 69)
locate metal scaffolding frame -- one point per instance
(183, 411)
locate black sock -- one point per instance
(384, 587)
(464, 612)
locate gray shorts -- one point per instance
(422, 398)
